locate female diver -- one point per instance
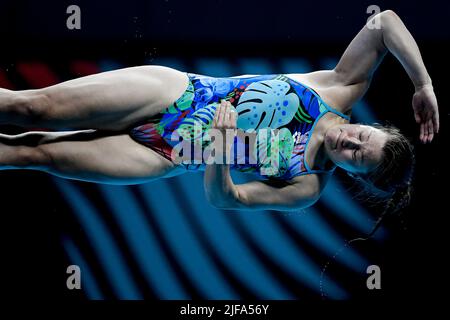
(122, 124)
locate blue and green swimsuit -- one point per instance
(271, 101)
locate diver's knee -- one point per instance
(29, 157)
(34, 105)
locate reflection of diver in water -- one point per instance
(125, 120)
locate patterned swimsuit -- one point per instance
(286, 110)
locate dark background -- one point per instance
(35, 217)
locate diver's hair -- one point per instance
(390, 183)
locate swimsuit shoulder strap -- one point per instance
(333, 110)
(322, 103)
(327, 106)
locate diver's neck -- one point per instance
(324, 160)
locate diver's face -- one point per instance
(355, 148)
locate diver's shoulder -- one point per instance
(315, 79)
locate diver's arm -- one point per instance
(403, 46)
(399, 41)
(223, 193)
(218, 184)
(366, 51)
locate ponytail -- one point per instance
(399, 200)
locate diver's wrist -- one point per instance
(419, 85)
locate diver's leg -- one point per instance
(115, 159)
(112, 100)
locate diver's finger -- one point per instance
(233, 118)
(421, 132)
(430, 130)
(228, 112)
(436, 121)
(222, 113)
(216, 115)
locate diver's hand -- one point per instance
(225, 116)
(225, 120)
(426, 112)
